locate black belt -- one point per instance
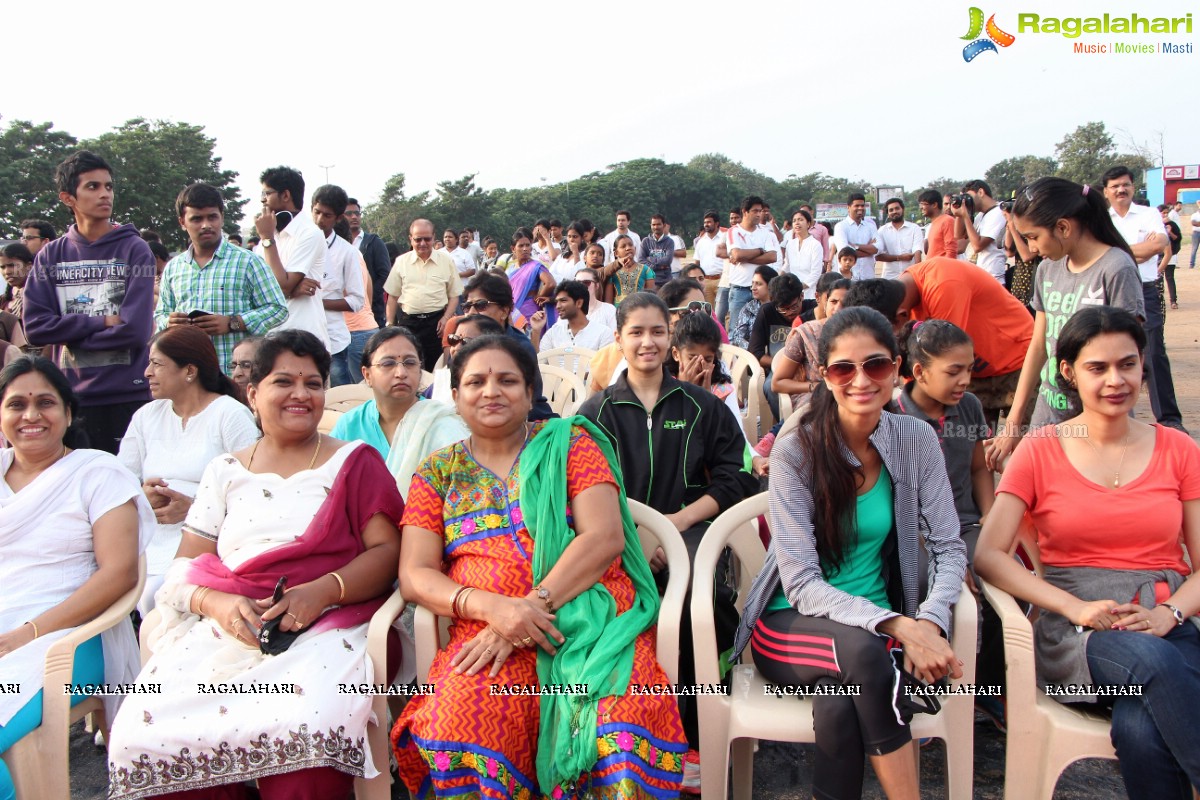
(430, 315)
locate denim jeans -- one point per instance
(1155, 735)
(339, 371)
(1158, 366)
(1195, 244)
(358, 343)
(738, 297)
(722, 304)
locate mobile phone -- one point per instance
(198, 313)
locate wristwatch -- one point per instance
(543, 594)
(237, 324)
(267, 243)
(1175, 612)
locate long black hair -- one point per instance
(832, 480)
(1047, 200)
(1086, 324)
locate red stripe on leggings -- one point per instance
(796, 655)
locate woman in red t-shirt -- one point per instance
(1113, 500)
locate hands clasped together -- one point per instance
(513, 623)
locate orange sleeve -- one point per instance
(586, 464)
(425, 506)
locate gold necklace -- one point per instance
(1096, 450)
(313, 461)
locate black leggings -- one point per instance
(793, 650)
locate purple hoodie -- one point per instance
(73, 285)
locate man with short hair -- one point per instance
(657, 250)
(466, 240)
(234, 239)
(622, 230)
(939, 236)
(463, 261)
(680, 250)
(858, 232)
(35, 233)
(375, 253)
(91, 296)
(984, 233)
(751, 245)
(294, 249)
(1173, 213)
(573, 328)
(710, 253)
(423, 290)
(1143, 230)
(898, 241)
(233, 288)
(342, 287)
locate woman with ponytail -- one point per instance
(1085, 262)
(853, 488)
(195, 416)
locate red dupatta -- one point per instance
(363, 488)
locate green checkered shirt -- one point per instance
(235, 281)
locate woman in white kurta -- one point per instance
(69, 542)
(297, 504)
(194, 417)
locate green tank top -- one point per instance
(862, 569)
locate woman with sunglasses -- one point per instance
(403, 430)
(463, 329)
(852, 490)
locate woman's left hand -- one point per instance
(927, 655)
(300, 604)
(176, 508)
(487, 648)
(15, 639)
(1132, 617)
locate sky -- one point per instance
(518, 92)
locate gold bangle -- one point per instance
(454, 601)
(462, 603)
(201, 593)
(341, 586)
(33, 625)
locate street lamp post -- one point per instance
(326, 167)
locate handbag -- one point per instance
(271, 640)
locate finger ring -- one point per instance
(290, 614)
(528, 640)
(516, 644)
(487, 651)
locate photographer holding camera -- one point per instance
(983, 228)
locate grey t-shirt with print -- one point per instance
(1058, 292)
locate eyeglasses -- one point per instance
(242, 365)
(350, 213)
(390, 363)
(458, 338)
(878, 368)
(421, 238)
(695, 305)
(477, 305)
(268, 192)
(31, 238)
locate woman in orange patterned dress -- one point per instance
(570, 603)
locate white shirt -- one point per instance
(1173, 215)
(848, 233)
(806, 261)
(463, 261)
(593, 336)
(563, 269)
(992, 258)
(741, 239)
(542, 254)
(602, 313)
(677, 262)
(342, 281)
(607, 243)
(302, 249)
(1138, 225)
(893, 242)
(706, 253)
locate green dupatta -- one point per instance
(598, 650)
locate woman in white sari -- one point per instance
(404, 428)
(298, 504)
(72, 523)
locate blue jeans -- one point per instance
(358, 343)
(88, 668)
(1195, 244)
(723, 305)
(1155, 735)
(339, 370)
(738, 297)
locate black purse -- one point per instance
(913, 695)
(271, 640)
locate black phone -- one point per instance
(282, 218)
(271, 640)
(198, 313)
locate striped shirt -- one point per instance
(923, 505)
(235, 281)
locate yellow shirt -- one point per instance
(423, 287)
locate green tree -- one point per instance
(152, 162)
(391, 215)
(460, 204)
(28, 155)
(1005, 177)
(1084, 154)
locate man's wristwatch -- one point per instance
(1176, 613)
(267, 243)
(236, 324)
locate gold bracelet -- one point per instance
(454, 601)
(341, 586)
(201, 593)
(33, 625)
(462, 602)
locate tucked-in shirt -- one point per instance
(233, 282)
(1138, 225)
(424, 287)
(706, 254)
(1083, 524)
(892, 241)
(302, 249)
(848, 233)
(343, 281)
(992, 258)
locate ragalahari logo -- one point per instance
(995, 36)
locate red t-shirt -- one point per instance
(1082, 524)
(960, 292)
(940, 239)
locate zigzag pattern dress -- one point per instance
(464, 742)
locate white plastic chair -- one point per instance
(1044, 736)
(39, 761)
(748, 714)
(572, 359)
(749, 377)
(564, 390)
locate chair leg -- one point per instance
(960, 752)
(743, 768)
(714, 766)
